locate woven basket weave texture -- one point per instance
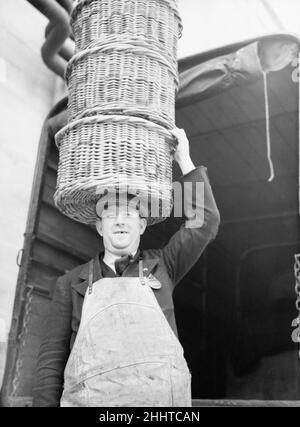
(156, 22)
(103, 153)
(122, 83)
(124, 78)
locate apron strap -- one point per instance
(91, 276)
(141, 273)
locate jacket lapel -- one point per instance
(83, 276)
(81, 287)
(149, 265)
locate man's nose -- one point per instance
(120, 219)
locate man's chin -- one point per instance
(122, 246)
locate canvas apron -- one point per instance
(125, 352)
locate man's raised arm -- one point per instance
(202, 217)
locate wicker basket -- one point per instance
(104, 153)
(122, 79)
(156, 22)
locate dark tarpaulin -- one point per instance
(205, 75)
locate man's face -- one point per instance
(121, 228)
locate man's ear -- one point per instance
(143, 225)
(99, 226)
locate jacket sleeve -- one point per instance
(202, 220)
(54, 349)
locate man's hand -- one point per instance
(182, 153)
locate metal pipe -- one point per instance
(58, 32)
(67, 49)
(66, 4)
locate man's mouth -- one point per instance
(120, 232)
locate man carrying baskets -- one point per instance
(111, 337)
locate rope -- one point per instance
(268, 133)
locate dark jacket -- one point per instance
(169, 265)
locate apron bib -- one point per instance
(125, 352)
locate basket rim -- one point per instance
(134, 39)
(78, 4)
(100, 118)
(136, 47)
(123, 111)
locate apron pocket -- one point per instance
(139, 384)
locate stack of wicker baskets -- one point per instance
(122, 84)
